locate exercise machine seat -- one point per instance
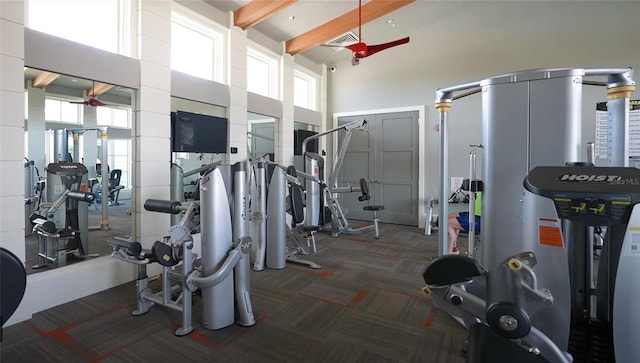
(373, 208)
(114, 185)
(296, 209)
(13, 283)
(364, 189)
(452, 269)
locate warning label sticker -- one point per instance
(549, 233)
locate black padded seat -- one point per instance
(296, 203)
(364, 189)
(114, 186)
(13, 277)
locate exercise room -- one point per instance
(319, 181)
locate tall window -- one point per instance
(57, 110)
(97, 23)
(305, 90)
(263, 73)
(113, 116)
(118, 155)
(206, 60)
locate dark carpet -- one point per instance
(364, 305)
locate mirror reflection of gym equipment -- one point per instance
(65, 138)
(60, 218)
(545, 224)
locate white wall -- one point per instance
(477, 42)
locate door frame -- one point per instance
(421, 147)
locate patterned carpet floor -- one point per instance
(364, 305)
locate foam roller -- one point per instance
(162, 206)
(81, 196)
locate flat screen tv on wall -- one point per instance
(298, 137)
(198, 133)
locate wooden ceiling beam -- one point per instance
(98, 88)
(342, 24)
(43, 79)
(258, 10)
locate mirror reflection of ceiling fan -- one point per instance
(94, 91)
(362, 50)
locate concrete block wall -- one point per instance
(12, 127)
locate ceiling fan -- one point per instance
(92, 101)
(361, 50)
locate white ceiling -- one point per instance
(422, 18)
(309, 14)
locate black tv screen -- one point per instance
(198, 133)
(298, 137)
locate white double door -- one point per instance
(386, 156)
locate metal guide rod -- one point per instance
(472, 198)
(104, 165)
(351, 125)
(619, 87)
(443, 111)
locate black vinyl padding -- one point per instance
(297, 204)
(452, 269)
(13, 283)
(364, 189)
(163, 206)
(81, 196)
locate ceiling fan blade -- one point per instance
(93, 102)
(372, 49)
(80, 103)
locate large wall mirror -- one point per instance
(301, 131)
(261, 131)
(63, 112)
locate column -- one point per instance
(12, 105)
(284, 134)
(152, 130)
(237, 112)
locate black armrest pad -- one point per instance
(452, 269)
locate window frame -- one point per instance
(113, 108)
(123, 25)
(79, 110)
(313, 82)
(195, 22)
(273, 62)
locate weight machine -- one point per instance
(530, 119)
(223, 278)
(61, 154)
(268, 218)
(496, 306)
(318, 189)
(177, 186)
(62, 223)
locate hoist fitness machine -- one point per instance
(318, 188)
(533, 119)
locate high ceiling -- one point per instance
(305, 24)
(488, 22)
